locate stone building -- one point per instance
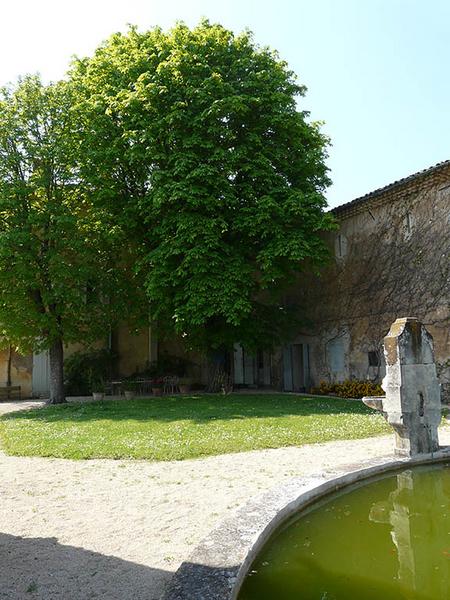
(390, 259)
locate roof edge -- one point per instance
(398, 183)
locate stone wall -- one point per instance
(390, 259)
(21, 368)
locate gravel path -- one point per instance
(108, 529)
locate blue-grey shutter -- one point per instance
(287, 369)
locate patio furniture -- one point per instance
(171, 384)
(143, 386)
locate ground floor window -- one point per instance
(296, 368)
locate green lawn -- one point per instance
(184, 427)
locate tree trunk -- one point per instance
(8, 371)
(8, 367)
(56, 355)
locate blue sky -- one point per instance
(377, 71)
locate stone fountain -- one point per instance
(219, 565)
(412, 404)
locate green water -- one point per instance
(387, 540)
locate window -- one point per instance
(336, 357)
(374, 358)
(340, 246)
(408, 224)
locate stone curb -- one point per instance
(219, 564)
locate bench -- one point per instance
(11, 392)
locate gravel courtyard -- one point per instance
(119, 529)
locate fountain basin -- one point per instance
(387, 538)
(219, 565)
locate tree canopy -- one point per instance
(194, 139)
(180, 159)
(61, 279)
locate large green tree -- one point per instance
(61, 257)
(198, 141)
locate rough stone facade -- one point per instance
(20, 371)
(391, 259)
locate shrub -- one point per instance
(165, 365)
(86, 370)
(350, 388)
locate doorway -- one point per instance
(296, 370)
(251, 369)
(41, 375)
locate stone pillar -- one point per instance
(412, 404)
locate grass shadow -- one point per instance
(197, 409)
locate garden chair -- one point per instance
(171, 384)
